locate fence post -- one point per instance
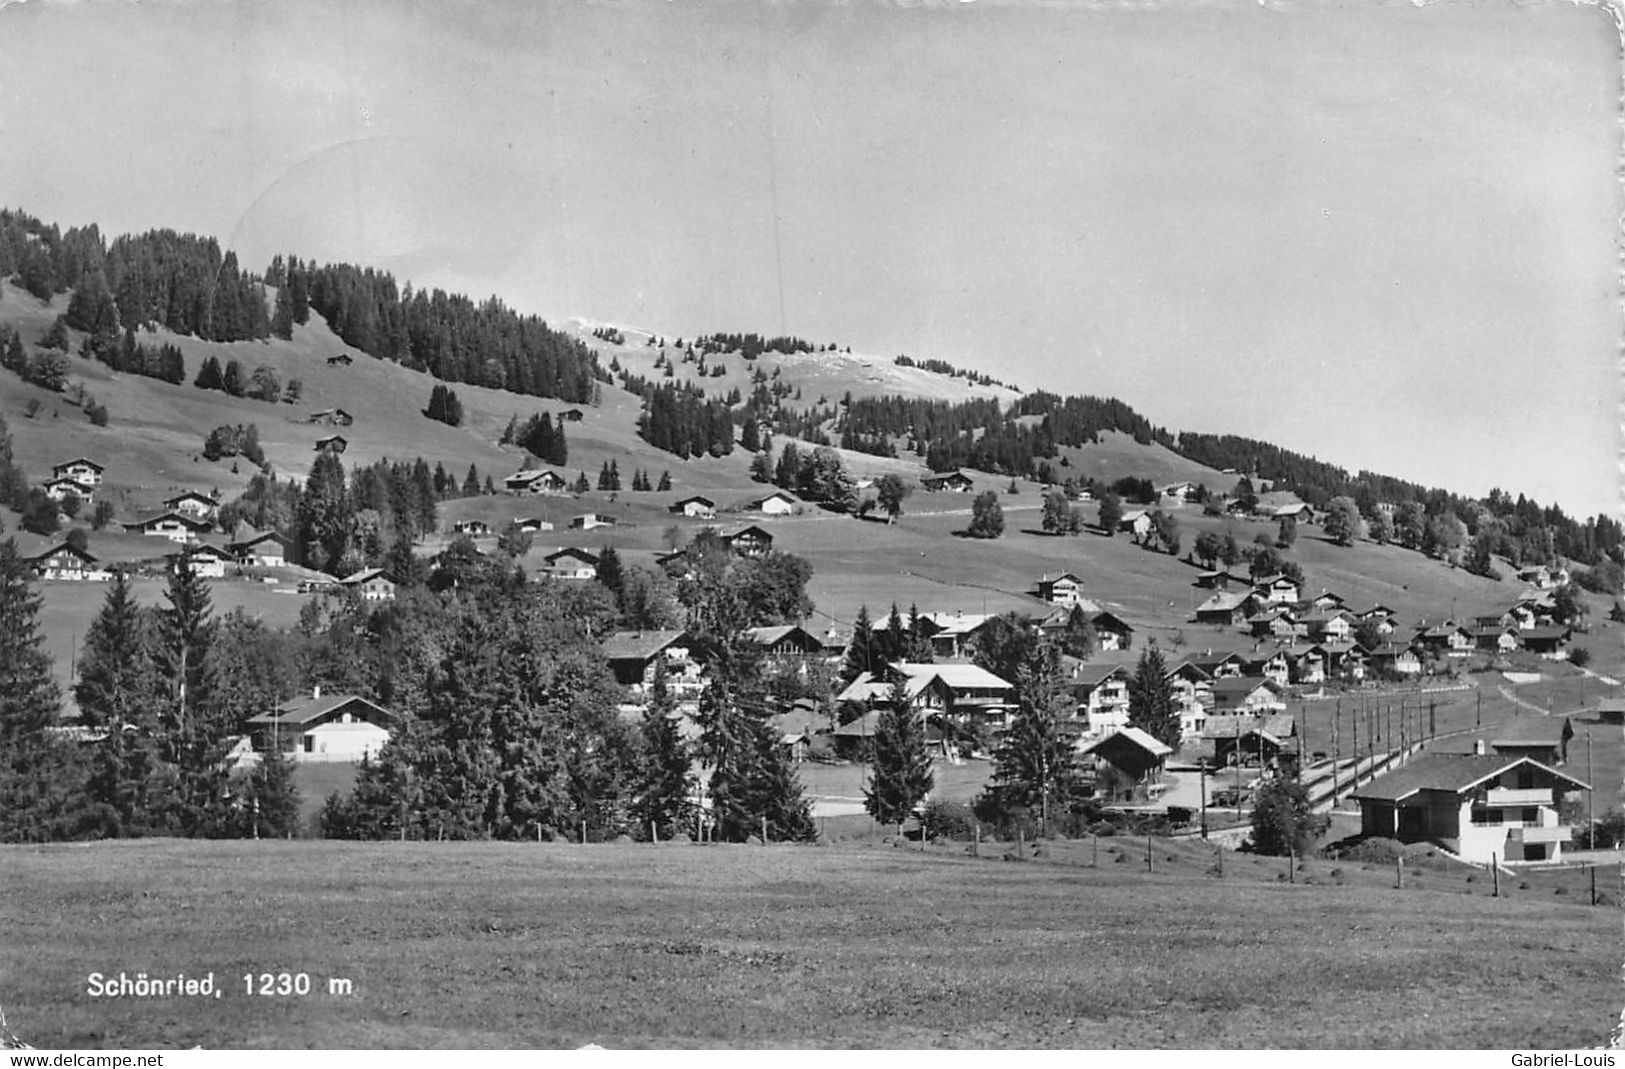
(1495, 873)
(975, 840)
(1592, 870)
(1148, 853)
(1399, 872)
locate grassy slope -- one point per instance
(465, 945)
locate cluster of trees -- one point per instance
(540, 436)
(167, 690)
(229, 441)
(122, 352)
(610, 335)
(1075, 421)
(263, 384)
(181, 281)
(683, 421)
(750, 346)
(818, 476)
(448, 335)
(445, 407)
(47, 367)
(942, 367)
(986, 516)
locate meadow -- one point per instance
(526, 945)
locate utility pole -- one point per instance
(1591, 798)
(1202, 771)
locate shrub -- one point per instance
(1579, 657)
(948, 820)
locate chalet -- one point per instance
(778, 503)
(1246, 696)
(1299, 511)
(1225, 608)
(536, 481)
(956, 482)
(1526, 614)
(1306, 665)
(1127, 763)
(1484, 808)
(1539, 577)
(323, 728)
(1222, 666)
(532, 524)
(1064, 589)
(1344, 660)
(472, 528)
(1177, 491)
(788, 640)
(1611, 711)
(1277, 590)
(171, 525)
(571, 415)
(697, 506)
(266, 550)
(198, 506)
(572, 563)
(1136, 522)
(340, 360)
(635, 658)
(1113, 632)
(1278, 622)
(1327, 600)
(589, 521)
(205, 561)
(1541, 738)
(1193, 693)
(65, 561)
(953, 631)
(1242, 740)
(65, 487)
(80, 470)
(1446, 638)
(331, 417)
(749, 541)
(957, 693)
(1328, 625)
(333, 443)
(371, 583)
(1392, 659)
(1276, 668)
(1221, 579)
(1497, 638)
(1101, 695)
(1548, 640)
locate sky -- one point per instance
(1386, 236)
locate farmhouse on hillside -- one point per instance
(323, 728)
(80, 470)
(1113, 631)
(589, 521)
(536, 481)
(204, 561)
(191, 503)
(634, 657)
(268, 549)
(64, 487)
(956, 482)
(1128, 763)
(171, 525)
(1065, 589)
(749, 541)
(778, 503)
(1226, 607)
(65, 561)
(1481, 807)
(471, 528)
(697, 506)
(371, 583)
(572, 563)
(1241, 740)
(340, 360)
(333, 443)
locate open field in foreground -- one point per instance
(463, 945)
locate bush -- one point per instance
(948, 820)
(1579, 656)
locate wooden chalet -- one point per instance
(323, 728)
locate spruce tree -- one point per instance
(40, 775)
(665, 481)
(195, 736)
(900, 774)
(1151, 705)
(271, 798)
(667, 782)
(609, 570)
(1035, 766)
(604, 477)
(233, 381)
(861, 654)
(471, 483)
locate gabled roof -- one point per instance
(956, 675)
(1224, 601)
(1093, 675)
(205, 549)
(1150, 744)
(181, 518)
(77, 460)
(302, 711)
(749, 529)
(1277, 727)
(1534, 731)
(363, 576)
(263, 536)
(694, 499)
(61, 547)
(1241, 686)
(1110, 622)
(1546, 633)
(758, 502)
(190, 495)
(1455, 773)
(769, 636)
(571, 551)
(956, 623)
(639, 645)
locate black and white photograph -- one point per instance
(811, 524)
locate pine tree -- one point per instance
(665, 481)
(761, 468)
(195, 736)
(233, 381)
(209, 376)
(614, 476)
(752, 781)
(1151, 705)
(609, 570)
(900, 774)
(40, 775)
(282, 317)
(131, 785)
(666, 784)
(581, 483)
(325, 513)
(861, 653)
(1035, 765)
(471, 483)
(272, 797)
(604, 477)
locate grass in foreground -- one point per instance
(455, 945)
